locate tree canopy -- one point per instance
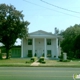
(70, 42)
(12, 26)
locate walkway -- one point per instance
(35, 63)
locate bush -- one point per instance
(0, 55)
(64, 60)
(33, 59)
(28, 61)
(43, 55)
(61, 56)
(41, 59)
(43, 62)
(35, 54)
(60, 60)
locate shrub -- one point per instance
(54, 56)
(43, 62)
(9, 55)
(43, 55)
(28, 61)
(41, 59)
(33, 59)
(35, 54)
(0, 55)
(64, 60)
(60, 60)
(61, 56)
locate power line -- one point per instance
(51, 9)
(33, 3)
(59, 7)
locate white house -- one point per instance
(40, 43)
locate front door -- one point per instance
(39, 53)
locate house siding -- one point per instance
(52, 47)
(38, 47)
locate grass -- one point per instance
(55, 63)
(19, 62)
(15, 62)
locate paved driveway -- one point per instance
(37, 73)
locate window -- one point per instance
(29, 41)
(29, 53)
(48, 41)
(49, 53)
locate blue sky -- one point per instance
(42, 18)
(46, 17)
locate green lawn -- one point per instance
(56, 63)
(15, 62)
(22, 63)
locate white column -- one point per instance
(45, 52)
(22, 48)
(56, 47)
(59, 48)
(33, 47)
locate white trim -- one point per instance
(22, 48)
(33, 47)
(45, 47)
(56, 47)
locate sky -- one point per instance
(46, 17)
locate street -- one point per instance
(37, 73)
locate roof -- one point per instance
(42, 34)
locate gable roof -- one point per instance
(40, 32)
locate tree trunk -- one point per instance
(7, 53)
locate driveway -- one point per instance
(37, 73)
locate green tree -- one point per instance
(69, 37)
(77, 46)
(12, 26)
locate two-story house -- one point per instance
(40, 43)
